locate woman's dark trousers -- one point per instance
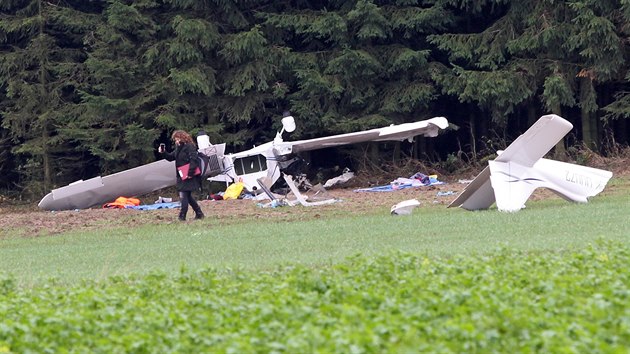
(186, 199)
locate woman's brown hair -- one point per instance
(182, 136)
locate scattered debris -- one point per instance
(163, 200)
(405, 207)
(344, 177)
(273, 204)
(301, 199)
(419, 180)
(233, 191)
(217, 196)
(302, 182)
(122, 202)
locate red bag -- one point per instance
(183, 171)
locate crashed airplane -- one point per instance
(261, 164)
(511, 178)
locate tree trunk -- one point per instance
(373, 153)
(396, 154)
(482, 129)
(532, 115)
(419, 146)
(589, 124)
(414, 149)
(560, 151)
(618, 135)
(46, 165)
(473, 136)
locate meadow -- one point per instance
(551, 278)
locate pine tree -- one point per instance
(156, 66)
(536, 50)
(357, 64)
(40, 71)
(112, 124)
(616, 100)
(220, 73)
(481, 69)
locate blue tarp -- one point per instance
(397, 186)
(155, 206)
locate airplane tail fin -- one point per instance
(513, 176)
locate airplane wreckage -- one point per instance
(509, 180)
(258, 168)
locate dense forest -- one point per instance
(90, 87)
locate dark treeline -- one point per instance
(90, 87)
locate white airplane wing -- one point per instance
(278, 152)
(400, 132)
(100, 190)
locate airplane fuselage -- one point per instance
(249, 166)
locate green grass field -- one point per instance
(551, 278)
(258, 244)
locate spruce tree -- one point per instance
(616, 96)
(220, 75)
(40, 72)
(196, 64)
(357, 64)
(113, 123)
(536, 51)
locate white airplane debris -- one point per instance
(512, 177)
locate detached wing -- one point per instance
(399, 132)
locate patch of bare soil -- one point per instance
(31, 222)
(28, 221)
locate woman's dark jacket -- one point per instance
(184, 154)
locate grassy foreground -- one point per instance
(551, 278)
(507, 301)
(256, 244)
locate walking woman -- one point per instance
(185, 153)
